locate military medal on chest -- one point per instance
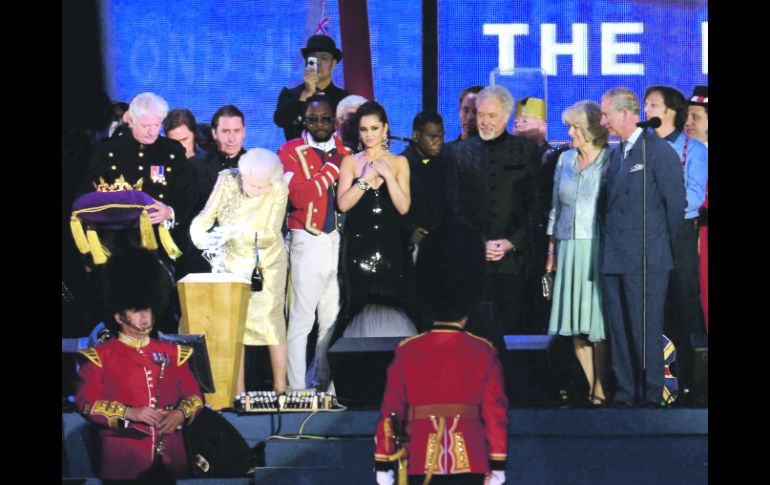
(158, 174)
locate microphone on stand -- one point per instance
(399, 138)
(653, 122)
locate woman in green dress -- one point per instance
(574, 244)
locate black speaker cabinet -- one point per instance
(528, 370)
(700, 380)
(359, 367)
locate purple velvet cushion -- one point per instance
(112, 210)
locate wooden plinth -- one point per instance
(215, 305)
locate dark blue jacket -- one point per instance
(622, 251)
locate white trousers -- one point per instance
(313, 286)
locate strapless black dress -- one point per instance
(375, 260)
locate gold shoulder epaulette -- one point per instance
(409, 339)
(92, 355)
(183, 353)
(491, 346)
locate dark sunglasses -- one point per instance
(312, 120)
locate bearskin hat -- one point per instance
(135, 279)
(450, 270)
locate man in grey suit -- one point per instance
(622, 251)
(498, 195)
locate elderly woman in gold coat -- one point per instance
(251, 202)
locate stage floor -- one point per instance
(559, 445)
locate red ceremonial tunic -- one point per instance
(118, 375)
(456, 378)
(309, 184)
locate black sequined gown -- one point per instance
(376, 264)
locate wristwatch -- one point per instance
(363, 184)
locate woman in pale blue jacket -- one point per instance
(574, 245)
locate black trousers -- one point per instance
(512, 297)
(684, 315)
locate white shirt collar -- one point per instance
(632, 139)
(325, 146)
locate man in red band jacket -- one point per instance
(312, 162)
(139, 389)
(446, 384)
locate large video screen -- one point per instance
(202, 54)
(585, 47)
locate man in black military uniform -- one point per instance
(291, 102)
(498, 194)
(147, 162)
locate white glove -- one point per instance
(386, 478)
(495, 477)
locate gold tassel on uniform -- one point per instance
(78, 235)
(145, 229)
(99, 252)
(168, 242)
(434, 458)
(403, 465)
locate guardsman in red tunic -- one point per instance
(139, 389)
(445, 386)
(313, 164)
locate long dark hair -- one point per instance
(371, 108)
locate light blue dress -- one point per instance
(577, 307)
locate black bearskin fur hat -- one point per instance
(135, 279)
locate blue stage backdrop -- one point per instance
(203, 54)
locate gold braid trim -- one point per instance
(388, 434)
(403, 464)
(434, 450)
(92, 355)
(460, 453)
(400, 455)
(112, 410)
(100, 208)
(183, 352)
(189, 405)
(409, 339)
(491, 346)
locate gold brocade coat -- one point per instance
(263, 215)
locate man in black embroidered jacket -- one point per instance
(498, 194)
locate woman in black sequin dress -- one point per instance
(378, 275)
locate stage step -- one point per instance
(329, 475)
(545, 459)
(545, 445)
